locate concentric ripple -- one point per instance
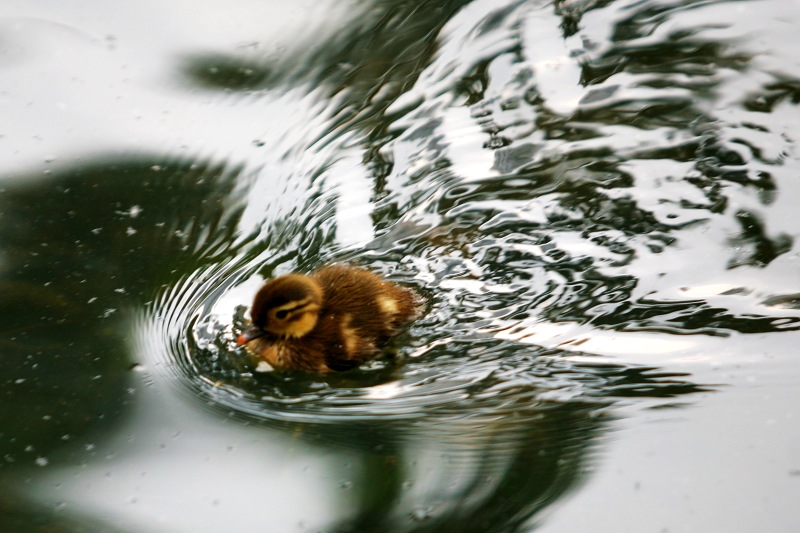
(431, 372)
(632, 204)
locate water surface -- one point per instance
(595, 198)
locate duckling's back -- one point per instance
(361, 310)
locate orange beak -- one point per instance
(251, 333)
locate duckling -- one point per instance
(333, 319)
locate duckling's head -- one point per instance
(286, 307)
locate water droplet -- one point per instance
(41, 461)
(420, 515)
(263, 366)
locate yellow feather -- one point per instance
(349, 335)
(388, 305)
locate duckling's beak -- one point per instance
(252, 332)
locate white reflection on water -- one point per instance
(170, 439)
(172, 458)
(115, 68)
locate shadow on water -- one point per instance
(472, 425)
(81, 250)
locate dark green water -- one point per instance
(597, 199)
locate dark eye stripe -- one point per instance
(288, 311)
(295, 308)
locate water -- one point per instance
(595, 198)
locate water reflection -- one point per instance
(486, 406)
(590, 167)
(486, 472)
(79, 252)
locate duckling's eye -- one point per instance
(280, 315)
